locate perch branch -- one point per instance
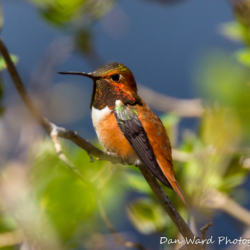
(91, 149)
(55, 138)
(169, 208)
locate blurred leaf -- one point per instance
(226, 83)
(243, 56)
(235, 31)
(233, 181)
(212, 156)
(191, 141)
(235, 175)
(59, 192)
(171, 121)
(224, 126)
(232, 30)
(7, 223)
(225, 138)
(137, 182)
(67, 200)
(3, 65)
(147, 215)
(63, 12)
(60, 15)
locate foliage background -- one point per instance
(181, 50)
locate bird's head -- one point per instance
(112, 81)
(115, 74)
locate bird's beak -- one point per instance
(89, 75)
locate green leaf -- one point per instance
(243, 56)
(64, 12)
(233, 181)
(137, 182)
(233, 31)
(3, 65)
(147, 215)
(170, 119)
(68, 202)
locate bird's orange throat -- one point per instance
(106, 94)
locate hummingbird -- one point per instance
(125, 125)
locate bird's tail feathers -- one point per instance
(169, 175)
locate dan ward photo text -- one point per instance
(220, 240)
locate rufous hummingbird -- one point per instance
(125, 124)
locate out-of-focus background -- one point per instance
(191, 59)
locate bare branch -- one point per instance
(11, 238)
(217, 200)
(181, 107)
(90, 149)
(56, 54)
(203, 232)
(119, 240)
(246, 235)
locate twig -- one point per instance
(246, 235)
(11, 238)
(92, 150)
(56, 54)
(58, 148)
(181, 107)
(203, 232)
(217, 200)
(118, 238)
(181, 156)
(87, 146)
(54, 136)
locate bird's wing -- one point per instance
(127, 119)
(153, 152)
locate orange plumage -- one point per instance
(126, 125)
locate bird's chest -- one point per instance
(104, 123)
(100, 116)
(110, 135)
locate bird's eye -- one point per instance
(116, 77)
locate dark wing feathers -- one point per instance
(137, 137)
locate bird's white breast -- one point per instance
(98, 115)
